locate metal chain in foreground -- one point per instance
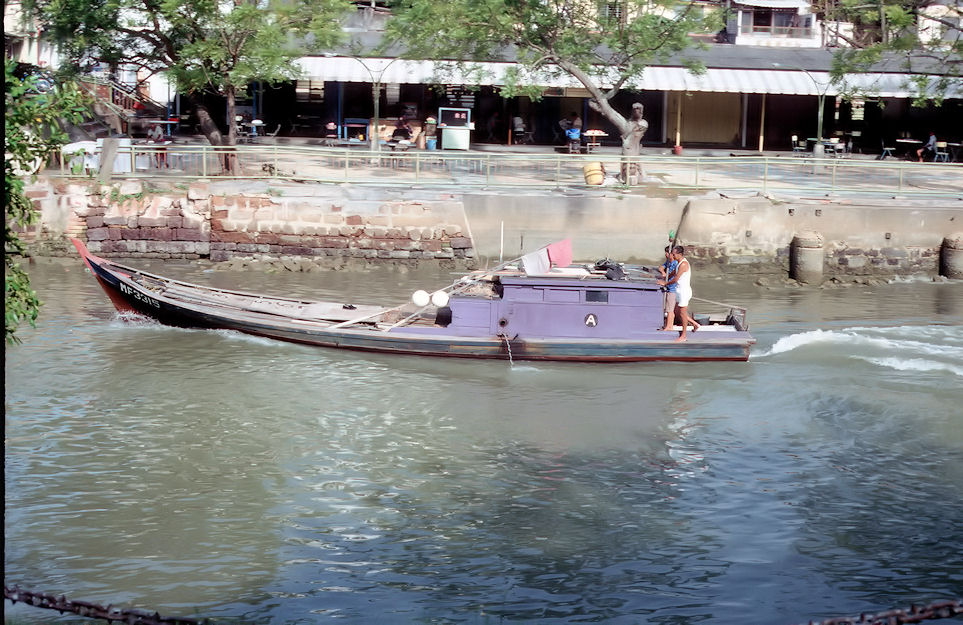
(93, 610)
(915, 614)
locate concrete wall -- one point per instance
(749, 234)
(231, 219)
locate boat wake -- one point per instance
(902, 348)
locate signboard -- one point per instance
(454, 117)
(859, 110)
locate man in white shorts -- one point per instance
(682, 278)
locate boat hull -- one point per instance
(124, 286)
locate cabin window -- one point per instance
(625, 297)
(561, 295)
(523, 295)
(597, 296)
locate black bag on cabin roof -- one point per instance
(613, 270)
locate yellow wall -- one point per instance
(706, 117)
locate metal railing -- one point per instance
(795, 32)
(799, 175)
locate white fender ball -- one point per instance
(420, 298)
(439, 298)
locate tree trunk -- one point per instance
(208, 127)
(630, 129)
(230, 156)
(213, 133)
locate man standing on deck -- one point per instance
(667, 269)
(682, 278)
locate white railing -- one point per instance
(436, 168)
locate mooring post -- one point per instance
(951, 256)
(806, 257)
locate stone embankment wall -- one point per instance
(748, 234)
(333, 223)
(222, 222)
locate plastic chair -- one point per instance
(941, 152)
(831, 147)
(886, 151)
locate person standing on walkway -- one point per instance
(493, 123)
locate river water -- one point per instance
(209, 474)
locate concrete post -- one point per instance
(806, 257)
(951, 256)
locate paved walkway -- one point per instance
(538, 166)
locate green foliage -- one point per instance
(603, 50)
(204, 45)
(32, 131)
(888, 31)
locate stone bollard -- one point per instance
(806, 257)
(951, 256)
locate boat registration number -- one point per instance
(137, 295)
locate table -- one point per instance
(253, 126)
(159, 148)
(594, 136)
(356, 126)
(164, 122)
(829, 147)
(907, 145)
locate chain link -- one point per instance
(915, 614)
(93, 610)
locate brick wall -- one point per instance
(202, 220)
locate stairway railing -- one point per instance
(124, 96)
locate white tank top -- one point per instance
(684, 279)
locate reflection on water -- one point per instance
(215, 474)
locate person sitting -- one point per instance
(574, 136)
(518, 130)
(156, 135)
(929, 149)
(402, 131)
(400, 136)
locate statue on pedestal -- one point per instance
(631, 144)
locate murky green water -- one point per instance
(211, 474)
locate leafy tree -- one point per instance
(921, 36)
(602, 44)
(32, 130)
(205, 46)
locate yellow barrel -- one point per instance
(594, 173)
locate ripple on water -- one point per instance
(217, 474)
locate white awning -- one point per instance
(736, 81)
(654, 78)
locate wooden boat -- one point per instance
(568, 314)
